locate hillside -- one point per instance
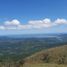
(56, 55)
(52, 57)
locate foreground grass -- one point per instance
(44, 65)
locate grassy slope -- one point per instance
(44, 65)
(54, 57)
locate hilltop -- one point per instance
(52, 56)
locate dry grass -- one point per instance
(44, 65)
(54, 55)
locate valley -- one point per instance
(15, 49)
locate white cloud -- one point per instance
(21, 27)
(2, 27)
(47, 21)
(61, 21)
(32, 24)
(13, 22)
(41, 23)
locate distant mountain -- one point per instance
(34, 35)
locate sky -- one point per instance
(33, 16)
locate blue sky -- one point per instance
(23, 12)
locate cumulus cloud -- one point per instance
(61, 21)
(32, 24)
(13, 22)
(40, 23)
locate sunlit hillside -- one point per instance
(54, 57)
